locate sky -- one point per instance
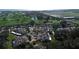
(39, 4)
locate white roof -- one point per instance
(15, 33)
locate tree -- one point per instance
(10, 38)
(32, 22)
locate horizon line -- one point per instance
(35, 10)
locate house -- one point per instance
(19, 40)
